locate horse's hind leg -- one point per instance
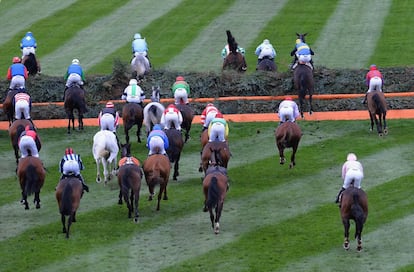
(63, 219)
(346, 233)
(24, 200)
(310, 105)
(292, 158)
(37, 200)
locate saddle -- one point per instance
(128, 160)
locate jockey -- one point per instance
(265, 50)
(226, 51)
(374, 81)
(208, 114)
(133, 93)
(171, 115)
(28, 44)
(22, 104)
(218, 129)
(180, 90)
(157, 139)
(288, 110)
(139, 46)
(70, 165)
(74, 75)
(17, 74)
(352, 171)
(303, 54)
(29, 143)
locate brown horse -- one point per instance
(234, 60)
(204, 138)
(68, 196)
(215, 186)
(132, 114)
(188, 116)
(8, 105)
(176, 144)
(288, 135)
(304, 84)
(129, 180)
(32, 64)
(15, 130)
(377, 106)
(214, 153)
(354, 206)
(75, 100)
(31, 175)
(157, 171)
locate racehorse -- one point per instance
(15, 130)
(105, 150)
(8, 105)
(139, 66)
(75, 100)
(68, 195)
(288, 135)
(157, 171)
(377, 106)
(354, 206)
(304, 84)
(266, 64)
(129, 180)
(132, 114)
(153, 110)
(32, 64)
(204, 138)
(215, 186)
(176, 144)
(31, 175)
(214, 153)
(188, 115)
(234, 60)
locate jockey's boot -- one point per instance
(85, 187)
(339, 195)
(364, 101)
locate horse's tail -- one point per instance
(66, 202)
(358, 213)
(125, 185)
(32, 180)
(380, 106)
(213, 193)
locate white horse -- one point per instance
(105, 150)
(153, 110)
(139, 66)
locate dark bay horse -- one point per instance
(377, 107)
(32, 64)
(354, 206)
(188, 116)
(288, 135)
(234, 60)
(214, 153)
(304, 85)
(176, 144)
(31, 175)
(68, 196)
(15, 130)
(157, 172)
(132, 114)
(8, 105)
(215, 186)
(75, 100)
(129, 180)
(266, 64)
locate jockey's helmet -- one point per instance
(210, 105)
(137, 36)
(351, 157)
(179, 78)
(133, 82)
(157, 127)
(109, 104)
(68, 151)
(219, 115)
(266, 41)
(298, 41)
(288, 98)
(373, 67)
(16, 60)
(75, 61)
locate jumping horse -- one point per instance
(68, 195)
(288, 135)
(75, 100)
(304, 85)
(31, 174)
(214, 153)
(32, 64)
(153, 110)
(234, 60)
(266, 64)
(176, 144)
(15, 130)
(105, 150)
(129, 180)
(188, 116)
(377, 106)
(353, 206)
(132, 114)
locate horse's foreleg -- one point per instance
(346, 233)
(136, 203)
(62, 218)
(120, 197)
(80, 122)
(211, 217)
(310, 104)
(292, 158)
(301, 102)
(138, 134)
(176, 174)
(372, 122)
(385, 123)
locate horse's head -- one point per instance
(155, 96)
(301, 36)
(125, 150)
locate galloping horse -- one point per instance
(214, 153)
(31, 175)
(153, 110)
(32, 64)
(188, 115)
(75, 100)
(105, 150)
(176, 144)
(266, 64)
(354, 206)
(377, 106)
(68, 196)
(132, 114)
(15, 130)
(139, 66)
(8, 105)
(215, 186)
(288, 135)
(157, 171)
(234, 60)
(129, 180)
(304, 84)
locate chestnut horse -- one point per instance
(288, 135)
(176, 144)
(214, 153)
(75, 100)
(353, 206)
(188, 116)
(132, 114)
(31, 175)
(68, 195)
(157, 172)
(8, 105)
(377, 106)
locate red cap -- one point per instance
(288, 98)
(179, 78)
(68, 151)
(109, 105)
(16, 60)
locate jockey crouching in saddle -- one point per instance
(209, 112)
(218, 129)
(226, 51)
(28, 44)
(265, 50)
(374, 81)
(157, 141)
(303, 54)
(74, 75)
(108, 119)
(22, 104)
(352, 173)
(180, 90)
(70, 165)
(29, 143)
(17, 74)
(171, 117)
(288, 110)
(133, 93)
(140, 47)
